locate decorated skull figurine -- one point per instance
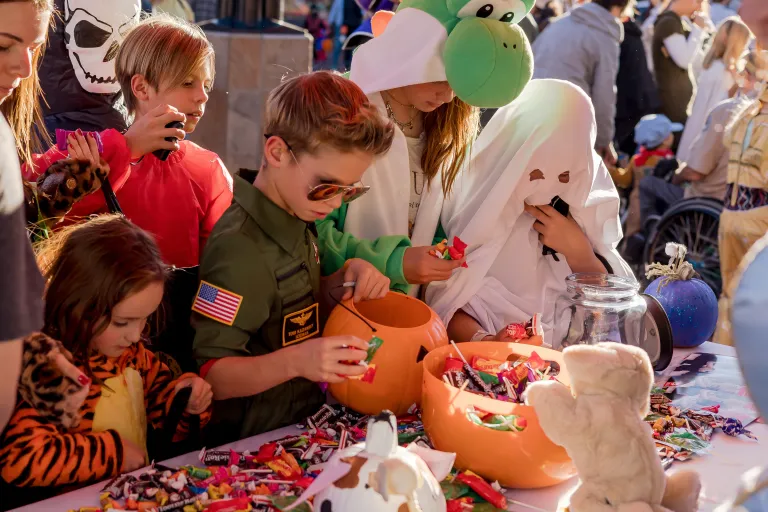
(93, 32)
(380, 476)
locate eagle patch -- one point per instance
(300, 325)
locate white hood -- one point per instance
(410, 51)
(550, 127)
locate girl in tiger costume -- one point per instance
(104, 278)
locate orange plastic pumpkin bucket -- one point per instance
(410, 329)
(522, 460)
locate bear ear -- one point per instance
(380, 21)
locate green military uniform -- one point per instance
(264, 265)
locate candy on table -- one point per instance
(483, 488)
(244, 479)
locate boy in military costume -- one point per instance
(257, 312)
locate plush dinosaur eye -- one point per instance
(506, 11)
(485, 11)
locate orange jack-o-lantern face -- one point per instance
(409, 330)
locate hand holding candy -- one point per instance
(133, 456)
(420, 266)
(369, 282)
(453, 252)
(149, 132)
(201, 396)
(321, 359)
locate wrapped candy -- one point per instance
(454, 252)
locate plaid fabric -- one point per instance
(746, 198)
(205, 9)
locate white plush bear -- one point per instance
(603, 431)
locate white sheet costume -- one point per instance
(547, 131)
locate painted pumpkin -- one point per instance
(410, 330)
(690, 304)
(380, 476)
(691, 307)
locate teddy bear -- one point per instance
(599, 422)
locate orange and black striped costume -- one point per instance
(35, 452)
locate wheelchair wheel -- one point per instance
(693, 223)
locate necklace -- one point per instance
(403, 125)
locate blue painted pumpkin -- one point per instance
(691, 307)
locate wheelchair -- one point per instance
(694, 223)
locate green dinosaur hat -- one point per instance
(472, 44)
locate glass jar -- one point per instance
(597, 307)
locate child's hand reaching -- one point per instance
(565, 236)
(201, 396)
(369, 282)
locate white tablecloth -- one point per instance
(720, 471)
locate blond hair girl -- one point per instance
(716, 79)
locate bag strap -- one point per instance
(109, 196)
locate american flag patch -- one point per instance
(217, 303)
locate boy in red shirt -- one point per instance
(165, 68)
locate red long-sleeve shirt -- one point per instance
(178, 200)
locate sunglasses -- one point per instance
(327, 191)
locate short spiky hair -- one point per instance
(325, 109)
(163, 49)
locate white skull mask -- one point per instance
(93, 33)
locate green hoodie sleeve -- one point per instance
(336, 247)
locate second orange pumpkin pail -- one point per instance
(522, 460)
(410, 329)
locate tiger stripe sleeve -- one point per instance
(159, 391)
(35, 453)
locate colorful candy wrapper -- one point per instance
(374, 344)
(734, 428)
(483, 488)
(453, 372)
(454, 252)
(484, 364)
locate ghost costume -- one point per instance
(536, 148)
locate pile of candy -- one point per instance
(276, 474)
(681, 433)
(446, 252)
(501, 380)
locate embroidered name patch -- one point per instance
(300, 325)
(217, 303)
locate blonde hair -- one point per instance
(450, 131)
(163, 49)
(22, 109)
(729, 43)
(325, 109)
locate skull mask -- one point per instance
(93, 33)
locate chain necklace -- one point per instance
(403, 125)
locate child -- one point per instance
(716, 79)
(655, 134)
(165, 68)
(105, 277)
(501, 210)
(257, 313)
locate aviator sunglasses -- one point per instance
(327, 191)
